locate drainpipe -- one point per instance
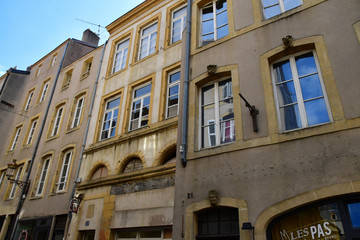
(186, 86)
(84, 141)
(26, 187)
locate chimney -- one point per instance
(90, 37)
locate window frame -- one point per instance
(172, 21)
(168, 86)
(38, 70)
(53, 60)
(87, 67)
(15, 138)
(44, 91)
(142, 37)
(29, 97)
(116, 51)
(215, 27)
(31, 131)
(297, 86)
(76, 110)
(42, 179)
(281, 6)
(141, 98)
(2, 177)
(61, 172)
(106, 111)
(217, 121)
(67, 79)
(57, 120)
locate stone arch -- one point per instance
(128, 158)
(165, 152)
(96, 166)
(271, 212)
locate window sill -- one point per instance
(70, 130)
(170, 45)
(145, 58)
(116, 73)
(52, 138)
(64, 88)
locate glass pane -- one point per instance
(114, 103)
(207, 39)
(150, 234)
(290, 4)
(174, 90)
(311, 87)
(290, 117)
(227, 131)
(208, 27)
(316, 112)
(225, 89)
(152, 43)
(172, 111)
(222, 32)
(222, 19)
(354, 212)
(305, 64)
(213, 228)
(221, 5)
(150, 29)
(142, 91)
(176, 30)
(225, 227)
(180, 12)
(272, 11)
(207, 114)
(207, 13)
(127, 235)
(174, 77)
(286, 93)
(283, 71)
(208, 136)
(207, 95)
(267, 3)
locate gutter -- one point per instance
(26, 188)
(186, 86)
(77, 180)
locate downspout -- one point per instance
(186, 86)
(84, 141)
(26, 187)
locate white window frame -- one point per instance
(182, 18)
(170, 85)
(148, 42)
(28, 102)
(57, 121)
(281, 5)
(44, 91)
(31, 132)
(16, 138)
(215, 28)
(78, 112)
(300, 100)
(123, 55)
(141, 98)
(111, 111)
(65, 167)
(217, 120)
(42, 179)
(14, 186)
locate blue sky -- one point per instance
(29, 29)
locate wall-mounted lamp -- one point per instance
(248, 226)
(10, 174)
(253, 113)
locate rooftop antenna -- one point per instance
(98, 25)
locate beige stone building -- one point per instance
(286, 164)
(128, 167)
(44, 133)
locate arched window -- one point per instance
(133, 165)
(169, 155)
(218, 223)
(100, 172)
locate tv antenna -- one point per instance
(98, 25)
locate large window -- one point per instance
(31, 131)
(121, 55)
(44, 170)
(64, 171)
(140, 107)
(57, 121)
(78, 111)
(15, 138)
(14, 186)
(172, 96)
(110, 119)
(275, 7)
(214, 21)
(216, 113)
(178, 23)
(44, 90)
(218, 223)
(148, 39)
(28, 99)
(300, 94)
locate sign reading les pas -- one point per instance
(318, 223)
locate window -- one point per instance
(78, 112)
(15, 138)
(66, 161)
(100, 172)
(44, 91)
(28, 101)
(14, 186)
(300, 94)
(38, 71)
(178, 23)
(133, 165)
(67, 79)
(276, 7)
(140, 107)
(86, 68)
(216, 113)
(45, 167)
(110, 118)
(53, 60)
(150, 234)
(121, 55)
(172, 96)
(218, 223)
(148, 41)
(214, 21)
(31, 132)
(2, 177)
(57, 121)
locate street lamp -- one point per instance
(10, 171)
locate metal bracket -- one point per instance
(253, 112)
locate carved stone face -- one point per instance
(213, 197)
